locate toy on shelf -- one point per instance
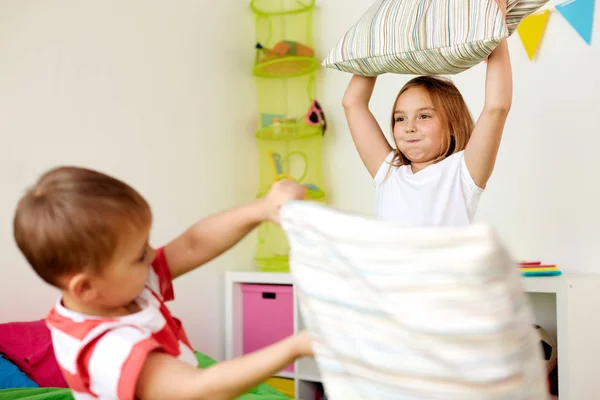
(284, 38)
(291, 151)
(279, 124)
(316, 115)
(289, 100)
(285, 48)
(273, 64)
(279, 174)
(536, 268)
(291, 121)
(287, 150)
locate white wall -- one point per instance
(544, 196)
(158, 93)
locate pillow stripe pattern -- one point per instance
(425, 313)
(520, 9)
(426, 36)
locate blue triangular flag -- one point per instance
(580, 14)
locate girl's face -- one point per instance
(418, 128)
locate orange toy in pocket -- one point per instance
(285, 48)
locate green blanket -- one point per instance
(261, 392)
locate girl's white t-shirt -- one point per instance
(442, 194)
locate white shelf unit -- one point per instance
(306, 374)
(567, 306)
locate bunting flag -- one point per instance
(580, 15)
(531, 30)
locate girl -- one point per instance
(442, 160)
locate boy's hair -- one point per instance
(454, 113)
(73, 219)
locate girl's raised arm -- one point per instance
(368, 137)
(482, 149)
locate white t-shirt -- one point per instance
(442, 194)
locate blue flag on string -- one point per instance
(580, 15)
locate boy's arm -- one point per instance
(215, 234)
(482, 149)
(165, 377)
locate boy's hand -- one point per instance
(304, 346)
(281, 192)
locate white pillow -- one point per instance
(418, 313)
(426, 36)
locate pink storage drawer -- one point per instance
(268, 315)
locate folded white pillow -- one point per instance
(417, 313)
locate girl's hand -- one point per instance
(502, 5)
(359, 91)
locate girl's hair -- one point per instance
(456, 119)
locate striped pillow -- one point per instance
(420, 313)
(426, 37)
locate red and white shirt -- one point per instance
(101, 358)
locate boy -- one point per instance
(87, 234)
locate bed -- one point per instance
(29, 371)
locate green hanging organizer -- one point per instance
(291, 123)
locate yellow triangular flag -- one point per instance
(531, 30)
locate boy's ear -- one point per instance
(81, 287)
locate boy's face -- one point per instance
(125, 277)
